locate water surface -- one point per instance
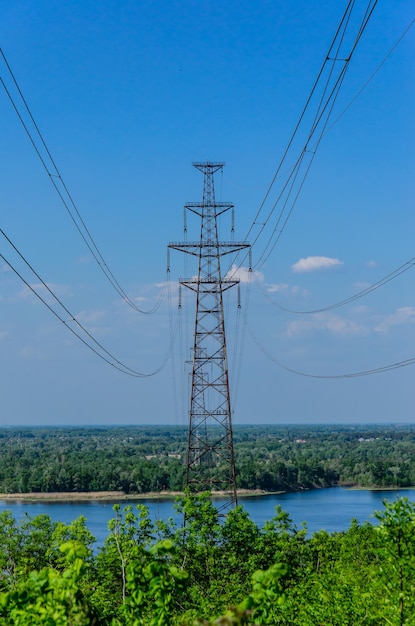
(329, 509)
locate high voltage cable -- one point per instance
(383, 281)
(69, 201)
(109, 358)
(369, 372)
(371, 77)
(284, 156)
(394, 273)
(321, 117)
(264, 256)
(172, 360)
(327, 130)
(240, 339)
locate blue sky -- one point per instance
(127, 95)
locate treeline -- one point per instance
(162, 574)
(142, 459)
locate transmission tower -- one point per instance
(210, 455)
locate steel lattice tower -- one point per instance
(210, 455)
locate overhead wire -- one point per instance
(391, 275)
(265, 255)
(325, 106)
(172, 360)
(394, 273)
(240, 340)
(268, 248)
(68, 201)
(96, 347)
(297, 126)
(321, 117)
(371, 77)
(368, 372)
(360, 294)
(183, 370)
(271, 243)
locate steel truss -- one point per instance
(210, 454)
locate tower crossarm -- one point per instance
(209, 248)
(215, 209)
(208, 286)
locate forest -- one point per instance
(135, 460)
(208, 571)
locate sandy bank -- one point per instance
(112, 496)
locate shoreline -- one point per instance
(116, 496)
(358, 488)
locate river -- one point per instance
(329, 509)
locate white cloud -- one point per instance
(31, 354)
(281, 288)
(287, 289)
(342, 326)
(330, 322)
(299, 327)
(83, 260)
(315, 263)
(95, 321)
(139, 299)
(361, 309)
(372, 264)
(403, 315)
(59, 291)
(244, 275)
(361, 322)
(90, 317)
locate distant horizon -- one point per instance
(353, 425)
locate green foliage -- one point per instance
(165, 575)
(139, 459)
(34, 543)
(397, 572)
(49, 597)
(154, 587)
(266, 595)
(128, 460)
(127, 530)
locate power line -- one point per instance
(369, 372)
(265, 255)
(390, 276)
(360, 294)
(321, 119)
(394, 273)
(240, 336)
(95, 346)
(335, 64)
(65, 196)
(372, 76)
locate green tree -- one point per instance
(50, 597)
(397, 573)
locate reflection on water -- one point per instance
(331, 509)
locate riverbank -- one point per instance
(119, 496)
(116, 496)
(359, 488)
